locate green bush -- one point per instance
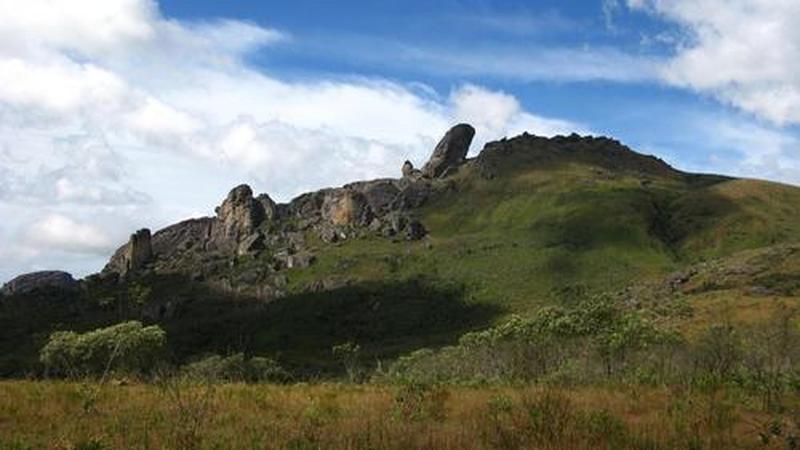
(128, 347)
(593, 338)
(718, 352)
(236, 368)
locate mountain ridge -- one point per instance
(397, 264)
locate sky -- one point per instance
(122, 114)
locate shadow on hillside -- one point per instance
(386, 319)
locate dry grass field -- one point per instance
(177, 415)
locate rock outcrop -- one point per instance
(408, 169)
(450, 152)
(39, 281)
(237, 218)
(132, 256)
(276, 234)
(189, 235)
(346, 207)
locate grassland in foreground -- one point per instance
(62, 415)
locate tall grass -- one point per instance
(182, 415)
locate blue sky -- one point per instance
(121, 114)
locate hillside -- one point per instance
(400, 264)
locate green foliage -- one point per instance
(545, 344)
(718, 351)
(139, 294)
(236, 368)
(349, 353)
(128, 347)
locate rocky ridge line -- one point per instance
(254, 226)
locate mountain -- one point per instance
(416, 261)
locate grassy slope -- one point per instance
(536, 235)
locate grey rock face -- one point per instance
(141, 249)
(132, 256)
(450, 152)
(270, 208)
(342, 207)
(32, 282)
(380, 194)
(189, 235)
(237, 218)
(408, 169)
(251, 244)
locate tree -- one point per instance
(128, 347)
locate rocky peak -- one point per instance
(450, 152)
(238, 217)
(132, 256)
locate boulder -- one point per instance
(300, 260)
(295, 260)
(450, 152)
(37, 281)
(415, 230)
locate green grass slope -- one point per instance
(535, 235)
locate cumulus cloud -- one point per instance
(113, 117)
(64, 233)
(744, 52)
(496, 113)
(760, 151)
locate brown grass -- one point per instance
(60, 415)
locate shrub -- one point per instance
(596, 335)
(718, 352)
(349, 353)
(235, 368)
(421, 402)
(128, 347)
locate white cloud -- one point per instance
(760, 151)
(57, 232)
(113, 117)
(744, 52)
(497, 114)
(530, 62)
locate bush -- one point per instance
(128, 347)
(718, 351)
(236, 368)
(349, 353)
(596, 337)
